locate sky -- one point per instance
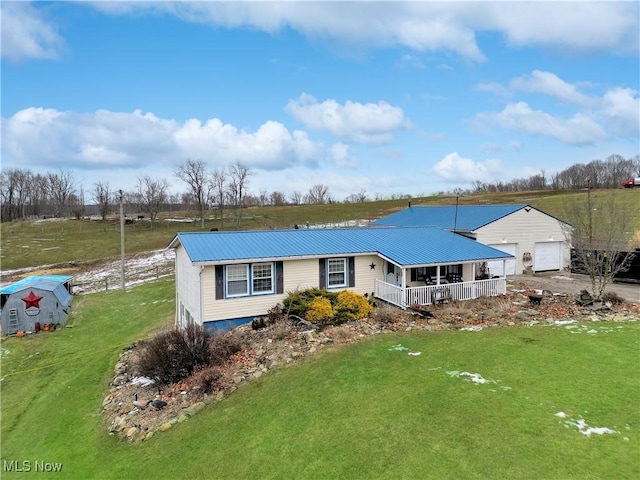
(385, 98)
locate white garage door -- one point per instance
(495, 267)
(547, 256)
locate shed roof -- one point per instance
(461, 218)
(402, 245)
(50, 283)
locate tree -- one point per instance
(599, 233)
(192, 172)
(239, 179)
(296, 197)
(60, 187)
(102, 196)
(317, 195)
(218, 187)
(152, 193)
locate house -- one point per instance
(33, 302)
(224, 279)
(536, 239)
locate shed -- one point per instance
(537, 240)
(35, 302)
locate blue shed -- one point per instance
(35, 302)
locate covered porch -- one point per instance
(404, 286)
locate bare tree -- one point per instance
(219, 187)
(192, 172)
(152, 194)
(296, 197)
(278, 199)
(239, 179)
(317, 195)
(102, 196)
(60, 186)
(599, 232)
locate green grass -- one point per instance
(358, 411)
(29, 244)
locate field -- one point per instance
(64, 242)
(559, 402)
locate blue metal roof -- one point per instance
(468, 217)
(49, 283)
(402, 245)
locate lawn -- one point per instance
(369, 410)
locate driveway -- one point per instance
(564, 282)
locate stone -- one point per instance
(182, 417)
(132, 431)
(165, 426)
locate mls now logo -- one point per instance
(29, 466)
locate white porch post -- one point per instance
(404, 285)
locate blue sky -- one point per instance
(381, 97)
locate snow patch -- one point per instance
(583, 427)
(142, 381)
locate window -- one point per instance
(237, 280)
(262, 277)
(336, 272)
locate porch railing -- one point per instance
(403, 297)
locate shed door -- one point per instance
(495, 267)
(547, 256)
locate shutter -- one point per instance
(279, 277)
(352, 271)
(219, 282)
(323, 273)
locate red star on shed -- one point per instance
(32, 300)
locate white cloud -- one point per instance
(456, 169)
(357, 122)
(621, 106)
(340, 157)
(569, 26)
(579, 129)
(550, 84)
(26, 33)
(105, 140)
(421, 26)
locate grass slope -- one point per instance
(29, 244)
(358, 411)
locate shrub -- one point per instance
(612, 297)
(207, 378)
(352, 306)
(320, 311)
(222, 346)
(299, 301)
(385, 314)
(174, 354)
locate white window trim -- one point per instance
(345, 273)
(264, 292)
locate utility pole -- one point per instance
(590, 220)
(121, 197)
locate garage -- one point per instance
(495, 268)
(547, 256)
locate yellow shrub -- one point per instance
(320, 311)
(353, 306)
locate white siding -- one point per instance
(298, 275)
(187, 285)
(525, 229)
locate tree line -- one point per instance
(24, 193)
(607, 173)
